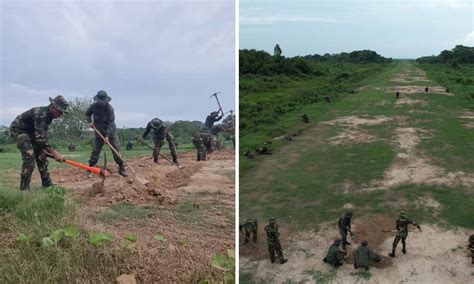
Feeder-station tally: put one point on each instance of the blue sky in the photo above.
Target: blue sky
(396, 28)
(155, 58)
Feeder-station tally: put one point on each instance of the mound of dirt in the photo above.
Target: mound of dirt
(154, 183)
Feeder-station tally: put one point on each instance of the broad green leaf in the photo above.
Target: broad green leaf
(131, 237)
(71, 231)
(159, 237)
(23, 238)
(46, 242)
(220, 261)
(57, 235)
(96, 238)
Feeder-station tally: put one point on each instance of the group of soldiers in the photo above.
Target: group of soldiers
(29, 131)
(337, 251)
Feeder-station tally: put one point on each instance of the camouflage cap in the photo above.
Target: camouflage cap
(402, 213)
(156, 123)
(271, 220)
(102, 96)
(60, 103)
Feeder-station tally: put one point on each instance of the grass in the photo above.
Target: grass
(37, 214)
(121, 211)
(321, 178)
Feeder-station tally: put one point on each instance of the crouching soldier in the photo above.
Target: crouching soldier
(160, 133)
(335, 255)
(250, 227)
(29, 131)
(364, 255)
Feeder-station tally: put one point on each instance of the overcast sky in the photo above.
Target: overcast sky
(155, 58)
(393, 28)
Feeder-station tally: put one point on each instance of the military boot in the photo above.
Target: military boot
(392, 254)
(404, 251)
(24, 183)
(175, 159)
(46, 181)
(122, 170)
(283, 260)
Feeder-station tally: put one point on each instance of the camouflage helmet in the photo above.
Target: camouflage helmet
(102, 96)
(272, 220)
(156, 123)
(60, 103)
(471, 238)
(402, 213)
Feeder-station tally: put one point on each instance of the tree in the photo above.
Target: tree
(72, 127)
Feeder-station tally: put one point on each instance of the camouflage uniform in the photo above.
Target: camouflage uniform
(274, 246)
(362, 256)
(344, 225)
(402, 232)
(335, 256)
(160, 133)
(210, 120)
(471, 247)
(249, 227)
(198, 142)
(29, 132)
(103, 116)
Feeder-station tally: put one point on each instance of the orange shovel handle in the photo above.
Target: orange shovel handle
(95, 170)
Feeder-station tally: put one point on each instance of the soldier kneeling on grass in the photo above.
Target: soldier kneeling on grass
(471, 247)
(335, 254)
(363, 255)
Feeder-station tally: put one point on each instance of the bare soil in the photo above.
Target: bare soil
(194, 212)
(413, 89)
(352, 131)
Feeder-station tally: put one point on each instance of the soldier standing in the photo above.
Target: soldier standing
(101, 115)
(250, 227)
(335, 255)
(363, 255)
(402, 232)
(29, 132)
(198, 142)
(274, 246)
(160, 133)
(344, 225)
(398, 94)
(471, 247)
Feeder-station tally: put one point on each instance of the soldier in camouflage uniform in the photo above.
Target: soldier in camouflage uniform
(344, 225)
(363, 255)
(402, 232)
(471, 247)
(29, 132)
(210, 120)
(160, 133)
(335, 255)
(250, 227)
(198, 142)
(101, 116)
(274, 245)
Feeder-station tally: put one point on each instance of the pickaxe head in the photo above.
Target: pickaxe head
(214, 95)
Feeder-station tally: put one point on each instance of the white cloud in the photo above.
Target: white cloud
(286, 18)
(469, 39)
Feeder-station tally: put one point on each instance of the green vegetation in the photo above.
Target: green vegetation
(458, 55)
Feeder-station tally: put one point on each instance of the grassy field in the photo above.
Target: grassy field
(321, 178)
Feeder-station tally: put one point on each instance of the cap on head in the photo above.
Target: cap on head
(60, 103)
(214, 113)
(102, 96)
(402, 213)
(156, 123)
(365, 243)
(272, 220)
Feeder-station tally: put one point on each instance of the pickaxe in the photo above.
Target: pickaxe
(164, 157)
(220, 107)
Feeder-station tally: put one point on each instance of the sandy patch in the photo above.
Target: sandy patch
(434, 255)
(417, 90)
(403, 100)
(352, 133)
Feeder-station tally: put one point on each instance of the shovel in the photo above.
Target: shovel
(138, 178)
